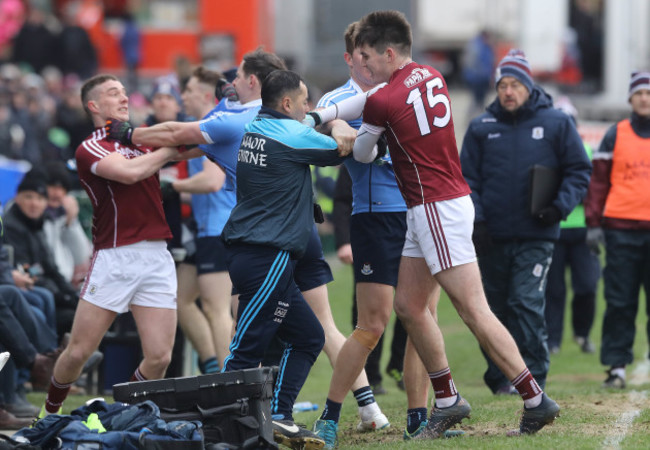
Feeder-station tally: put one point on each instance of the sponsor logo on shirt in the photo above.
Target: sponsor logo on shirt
(417, 75)
(128, 152)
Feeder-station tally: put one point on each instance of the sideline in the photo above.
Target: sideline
(640, 375)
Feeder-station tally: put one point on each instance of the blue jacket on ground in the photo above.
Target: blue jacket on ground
(499, 150)
(274, 189)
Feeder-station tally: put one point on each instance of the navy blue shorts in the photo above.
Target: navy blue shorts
(312, 271)
(210, 255)
(377, 240)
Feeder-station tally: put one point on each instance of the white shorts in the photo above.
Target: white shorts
(441, 233)
(137, 274)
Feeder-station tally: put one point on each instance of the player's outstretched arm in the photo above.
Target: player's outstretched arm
(348, 109)
(160, 135)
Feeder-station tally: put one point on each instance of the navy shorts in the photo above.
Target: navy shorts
(377, 241)
(210, 255)
(312, 271)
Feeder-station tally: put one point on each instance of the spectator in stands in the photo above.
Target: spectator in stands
(167, 105)
(23, 223)
(478, 66)
(70, 114)
(76, 52)
(35, 43)
(64, 235)
(23, 336)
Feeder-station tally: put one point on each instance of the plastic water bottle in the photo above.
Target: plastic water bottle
(304, 406)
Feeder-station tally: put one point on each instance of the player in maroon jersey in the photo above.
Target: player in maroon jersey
(413, 111)
(131, 268)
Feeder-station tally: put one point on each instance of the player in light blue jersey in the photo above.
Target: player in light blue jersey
(205, 274)
(377, 232)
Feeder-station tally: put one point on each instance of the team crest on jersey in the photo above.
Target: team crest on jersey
(417, 75)
(366, 269)
(538, 133)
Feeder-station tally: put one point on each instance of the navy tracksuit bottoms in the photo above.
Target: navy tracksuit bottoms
(271, 304)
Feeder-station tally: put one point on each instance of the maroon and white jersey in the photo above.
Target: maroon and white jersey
(415, 110)
(122, 214)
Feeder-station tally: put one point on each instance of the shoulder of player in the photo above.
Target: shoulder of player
(96, 144)
(337, 95)
(298, 136)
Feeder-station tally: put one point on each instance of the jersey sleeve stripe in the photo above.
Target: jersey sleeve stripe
(207, 137)
(95, 149)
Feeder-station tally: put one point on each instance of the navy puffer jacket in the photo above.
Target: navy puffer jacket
(499, 150)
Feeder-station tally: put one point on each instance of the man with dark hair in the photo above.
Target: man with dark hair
(205, 274)
(377, 228)
(270, 226)
(132, 268)
(414, 111)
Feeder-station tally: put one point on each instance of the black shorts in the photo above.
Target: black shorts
(312, 271)
(210, 255)
(377, 241)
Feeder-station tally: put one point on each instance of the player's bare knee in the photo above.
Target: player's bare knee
(366, 338)
(408, 311)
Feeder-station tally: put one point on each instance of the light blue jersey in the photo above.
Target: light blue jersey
(223, 128)
(374, 188)
(211, 211)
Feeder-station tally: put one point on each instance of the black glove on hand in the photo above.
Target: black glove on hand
(549, 216)
(382, 147)
(119, 131)
(481, 238)
(225, 90)
(595, 238)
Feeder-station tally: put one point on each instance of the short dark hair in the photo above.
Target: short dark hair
(382, 29)
(261, 63)
(91, 84)
(348, 36)
(207, 76)
(278, 84)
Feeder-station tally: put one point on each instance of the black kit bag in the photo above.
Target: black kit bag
(234, 407)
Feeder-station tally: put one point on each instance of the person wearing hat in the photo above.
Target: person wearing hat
(617, 211)
(23, 222)
(167, 105)
(514, 244)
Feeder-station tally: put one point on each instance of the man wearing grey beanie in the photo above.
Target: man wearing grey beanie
(513, 238)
